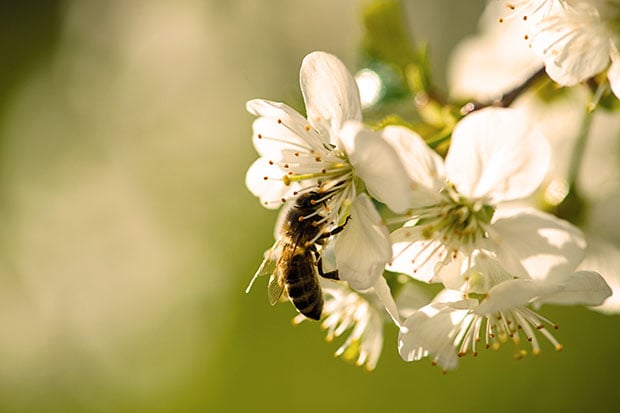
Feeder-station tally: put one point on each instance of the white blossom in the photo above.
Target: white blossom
(578, 41)
(331, 151)
(494, 310)
(495, 156)
(361, 314)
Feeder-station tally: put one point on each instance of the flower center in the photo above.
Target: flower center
(457, 221)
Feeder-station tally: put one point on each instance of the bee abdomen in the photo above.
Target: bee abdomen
(303, 288)
(307, 299)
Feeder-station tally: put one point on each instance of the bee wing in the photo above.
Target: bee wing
(269, 264)
(275, 288)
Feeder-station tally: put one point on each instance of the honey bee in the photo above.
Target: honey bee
(294, 262)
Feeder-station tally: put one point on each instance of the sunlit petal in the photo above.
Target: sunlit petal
(430, 332)
(534, 244)
(363, 248)
(377, 164)
(330, 92)
(497, 154)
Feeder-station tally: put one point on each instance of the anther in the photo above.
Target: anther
(259, 136)
(279, 121)
(307, 128)
(270, 162)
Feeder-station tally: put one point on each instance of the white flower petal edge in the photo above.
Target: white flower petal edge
(446, 329)
(497, 155)
(533, 244)
(574, 43)
(382, 290)
(329, 91)
(603, 256)
(363, 248)
(430, 332)
(260, 183)
(279, 128)
(613, 75)
(424, 166)
(583, 287)
(377, 163)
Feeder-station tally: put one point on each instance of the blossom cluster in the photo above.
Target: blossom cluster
(396, 212)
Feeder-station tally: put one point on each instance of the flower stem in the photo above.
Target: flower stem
(573, 207)
(577, 155)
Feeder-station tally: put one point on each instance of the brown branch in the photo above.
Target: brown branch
(507, 98)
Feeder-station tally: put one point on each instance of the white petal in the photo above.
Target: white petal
(330, 92)
(582, 287)
(272, 191)
(604, 257)
(363, 247)
(574, 44)
(414, 255)
(377, 164)
(424, 166)
(280, 127)
(384, 294)
(497, 154)
(430, 332)
(614, 71)
(515, 293)
(530, 243)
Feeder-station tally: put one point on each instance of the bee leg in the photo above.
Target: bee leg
(332, 275)
(340, 228)
(334, 231)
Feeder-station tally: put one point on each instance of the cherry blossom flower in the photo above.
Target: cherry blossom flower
(494, 310)
(330, 151)
(579, 41)
(361, 314)
(495, 157)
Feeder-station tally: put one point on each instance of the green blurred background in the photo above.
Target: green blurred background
(128, 236)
